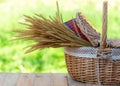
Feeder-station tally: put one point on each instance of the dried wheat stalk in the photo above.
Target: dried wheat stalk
(49, 33)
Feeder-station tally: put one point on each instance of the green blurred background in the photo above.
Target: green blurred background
(12, 56)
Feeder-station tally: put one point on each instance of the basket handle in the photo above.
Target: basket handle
(104, 28)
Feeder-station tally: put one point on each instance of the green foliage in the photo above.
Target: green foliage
(12, 57)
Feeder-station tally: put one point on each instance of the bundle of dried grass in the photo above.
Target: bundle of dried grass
(49, 33)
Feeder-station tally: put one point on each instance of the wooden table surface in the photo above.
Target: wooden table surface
(22, 79)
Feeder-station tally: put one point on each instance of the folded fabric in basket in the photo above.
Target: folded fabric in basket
(82, 28)
(73, 26)
(87, 29)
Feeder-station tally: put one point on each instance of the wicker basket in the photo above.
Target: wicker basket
(83, 65)
(95, 65)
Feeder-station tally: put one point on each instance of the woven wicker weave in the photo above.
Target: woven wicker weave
(85, 69)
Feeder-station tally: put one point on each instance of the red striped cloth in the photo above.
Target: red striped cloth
(71, 24)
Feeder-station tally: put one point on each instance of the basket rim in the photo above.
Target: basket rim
(91, 52)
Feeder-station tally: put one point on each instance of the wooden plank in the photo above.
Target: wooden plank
(7, 79)
(59, 79)
(10, 79)
(25, 80)
(43, 80)
(2, 78)
(50, 80)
